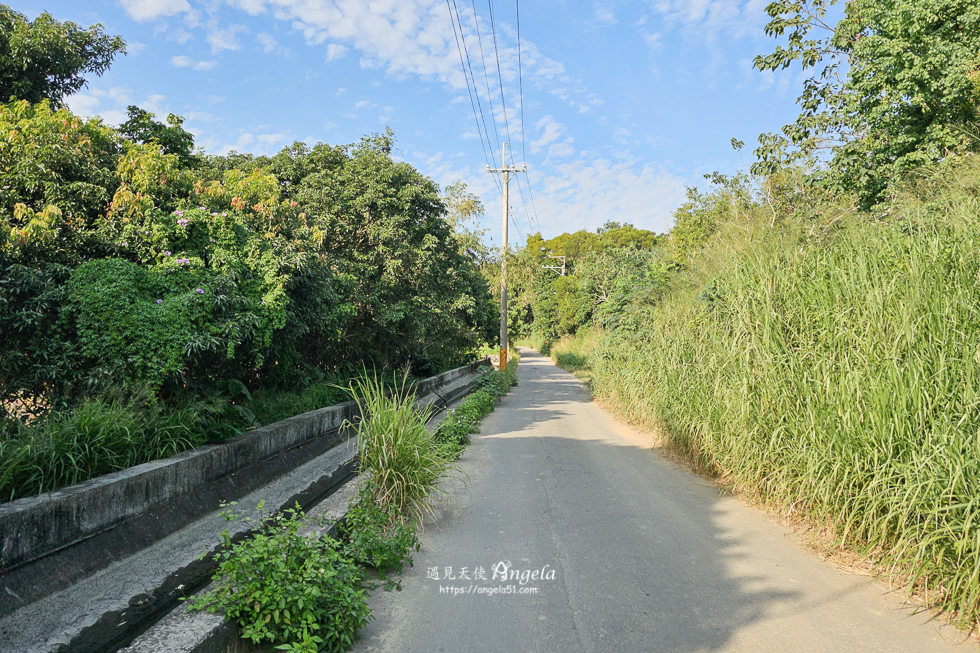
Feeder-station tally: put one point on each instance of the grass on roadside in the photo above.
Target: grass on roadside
(571, 353)
(401, 459)
(464, 420)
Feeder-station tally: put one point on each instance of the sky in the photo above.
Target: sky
(615, 107)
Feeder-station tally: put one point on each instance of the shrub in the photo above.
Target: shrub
(101, 436)
(285, 589)
(376, 537)
(464, 420)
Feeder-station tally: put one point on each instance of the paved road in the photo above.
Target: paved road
(637, 554)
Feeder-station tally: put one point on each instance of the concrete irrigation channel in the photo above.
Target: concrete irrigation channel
(102, 565)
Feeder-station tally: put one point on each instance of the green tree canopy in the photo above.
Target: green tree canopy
(47, 59)
(898, 87)
(172, 137)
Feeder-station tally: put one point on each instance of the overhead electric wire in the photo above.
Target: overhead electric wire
(520, 76)
(500, 76)
(486, 75)
(503, 105)
(520, 81)
(461, 49)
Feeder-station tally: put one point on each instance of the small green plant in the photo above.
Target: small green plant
(464, 420)
(298, 593)
(402, 460)
(377, 537)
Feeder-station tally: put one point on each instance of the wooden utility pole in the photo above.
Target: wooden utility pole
(507, 171)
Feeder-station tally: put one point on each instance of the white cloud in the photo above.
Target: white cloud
(561, 150)
(364, 104)
(120, 95)
(143, 10)
(180, 35)
(251, 7)
(114, 117)
(153, 103)
(84, 104)
(705, 20)
(226, 39)
(653, 41)
(215, 99)
(327, 126)
(244, 140)
(604, 16)
(335, 51)
(269, 43)
(550, 131)
(271, 139)
(585, 194)
(180, 61)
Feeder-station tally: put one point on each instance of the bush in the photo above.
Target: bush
(376, 537)
(837, 375)
(285, 589)
(464, 420)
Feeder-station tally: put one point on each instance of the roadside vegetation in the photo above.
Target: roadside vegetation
(807, 332)
(154, 298)
(296, 586)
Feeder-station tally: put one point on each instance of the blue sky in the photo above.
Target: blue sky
(624, 103)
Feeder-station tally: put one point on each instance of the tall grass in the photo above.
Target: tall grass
(841, 378)
(403, 461)
(571, 353)
(98, 437)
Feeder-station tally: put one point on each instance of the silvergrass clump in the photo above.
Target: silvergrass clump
(403, 461)
(839, 376)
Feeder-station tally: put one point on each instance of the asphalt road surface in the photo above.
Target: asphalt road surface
(607, 546)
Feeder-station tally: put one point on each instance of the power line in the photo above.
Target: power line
(500, 76)
(503, 104)
(520, 80)
(461, 49)
(486, 76)
(520, 77)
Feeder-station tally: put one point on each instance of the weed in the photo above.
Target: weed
(299, 593)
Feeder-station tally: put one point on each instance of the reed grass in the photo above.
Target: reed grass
(97, 437)
(840, 377)
(402, 459)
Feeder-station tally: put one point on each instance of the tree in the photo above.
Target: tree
(47, 59)
(172, 137)
(898, 87)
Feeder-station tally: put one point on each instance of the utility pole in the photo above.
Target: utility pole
(507, 171)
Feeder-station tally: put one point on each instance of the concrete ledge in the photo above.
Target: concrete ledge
(36, 526)
(119, 550)
(182, 631)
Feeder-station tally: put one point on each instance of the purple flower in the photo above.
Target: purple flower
(224, 215)
(200, 291)
(201, 208)
(167, 253)
(159, 301)
(182, 222)
(215, 213)
(124, 243)
(212, 240)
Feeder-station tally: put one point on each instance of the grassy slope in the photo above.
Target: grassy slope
(837, 376)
